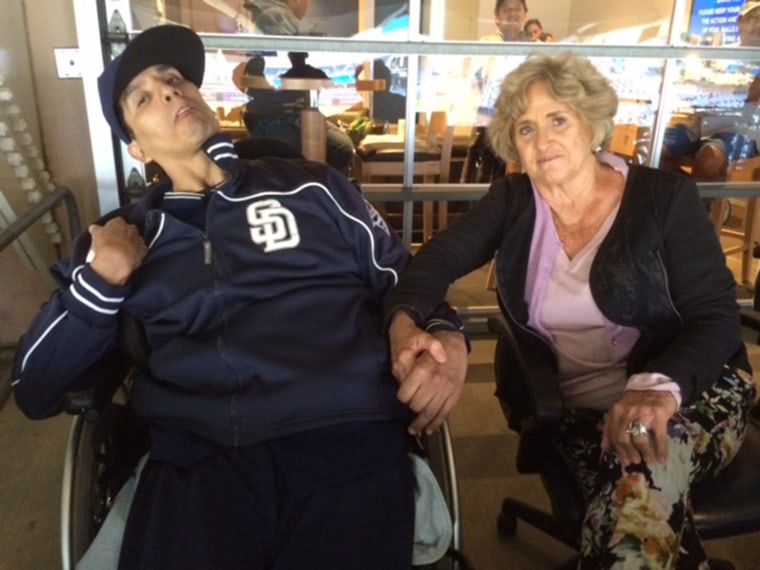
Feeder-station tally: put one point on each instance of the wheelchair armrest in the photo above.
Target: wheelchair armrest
(92, 402)
(96, 386)
(538, 373)
(81, 403)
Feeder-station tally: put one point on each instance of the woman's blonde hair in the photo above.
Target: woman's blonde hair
(570, 79)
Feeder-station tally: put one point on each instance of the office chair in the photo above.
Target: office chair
(251, 148)
(740, 228)
(750, 316)
(728, 505)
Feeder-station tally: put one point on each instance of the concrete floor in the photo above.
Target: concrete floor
(30, 480)
(32, 458)
(484, 450)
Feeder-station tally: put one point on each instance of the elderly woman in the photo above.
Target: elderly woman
(614, 273)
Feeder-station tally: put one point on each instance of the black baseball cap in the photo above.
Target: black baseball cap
(177, 46)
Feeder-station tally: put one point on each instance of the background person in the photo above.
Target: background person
(481, 164)
(614, 274)
(712, 140)
(533, 29)
(302, 70)
(386, 105)
(748, 22)
(509, 16)
(278, 435)
(250, 74)
(276, 113)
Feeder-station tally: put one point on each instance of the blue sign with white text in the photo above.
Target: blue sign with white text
(712, 17)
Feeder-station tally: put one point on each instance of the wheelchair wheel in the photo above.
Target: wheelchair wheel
(440, 455)
(101, 456)
(78, 512)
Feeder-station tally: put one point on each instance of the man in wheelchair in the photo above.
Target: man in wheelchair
(278, 435)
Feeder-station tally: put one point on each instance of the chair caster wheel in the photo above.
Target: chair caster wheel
(506, 523)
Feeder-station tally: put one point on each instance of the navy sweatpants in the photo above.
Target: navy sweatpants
(313, 501)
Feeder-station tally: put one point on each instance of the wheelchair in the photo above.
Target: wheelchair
(107, 439)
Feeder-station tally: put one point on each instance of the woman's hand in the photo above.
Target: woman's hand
(430, 368)
(116, 251)
(652, 409)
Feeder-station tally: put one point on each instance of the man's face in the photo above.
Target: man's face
(510, 18)
(166, 114)
(749, 28)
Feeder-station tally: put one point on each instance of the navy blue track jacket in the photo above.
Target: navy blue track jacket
(261, 303)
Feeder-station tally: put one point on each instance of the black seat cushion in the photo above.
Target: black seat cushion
(258, 147)
(729, 504)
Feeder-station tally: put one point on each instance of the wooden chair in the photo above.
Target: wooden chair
(432, 162)
(745, 170)
(623, 140)
(313, 135)
(439, 128)
(626, 142)
(313, 122)
(232, 123)
(235, 115)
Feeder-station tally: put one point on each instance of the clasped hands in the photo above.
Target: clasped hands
(430, 369)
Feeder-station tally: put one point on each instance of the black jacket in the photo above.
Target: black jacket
(659, 269)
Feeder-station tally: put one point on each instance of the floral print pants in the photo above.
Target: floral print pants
(640, 516)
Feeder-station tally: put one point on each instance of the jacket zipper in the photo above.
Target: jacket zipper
(206, 250)
(234, 419)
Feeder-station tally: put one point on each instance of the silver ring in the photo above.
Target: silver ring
(636, 428)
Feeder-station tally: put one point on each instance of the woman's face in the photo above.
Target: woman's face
(534, 32)
(552, 140)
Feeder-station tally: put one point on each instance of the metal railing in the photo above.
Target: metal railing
(475, 316)
(50, 201)
(18, 227)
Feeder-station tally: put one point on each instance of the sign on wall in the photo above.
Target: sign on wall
(713, 22)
